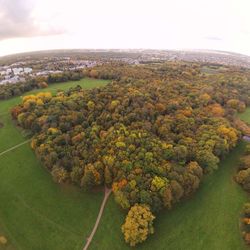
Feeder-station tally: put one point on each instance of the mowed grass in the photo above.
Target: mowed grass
(245, 116)
(36, 213)
(209, 220)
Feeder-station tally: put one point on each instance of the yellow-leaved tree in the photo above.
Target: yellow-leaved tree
(138, 224)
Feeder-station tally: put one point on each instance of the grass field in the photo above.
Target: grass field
(36, 213)
(246, 115)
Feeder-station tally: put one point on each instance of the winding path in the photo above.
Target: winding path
(106, 196)
(14, 147)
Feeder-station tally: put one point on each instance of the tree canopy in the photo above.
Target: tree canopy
(151, 134)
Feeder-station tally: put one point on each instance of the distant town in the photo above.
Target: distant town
(19, 71)
(17, 68)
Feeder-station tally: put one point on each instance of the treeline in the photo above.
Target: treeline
(243, 178)
(149, 135)
(65, 76)
(16, 89)
(245, 223)
(243, 175)
(10, 90)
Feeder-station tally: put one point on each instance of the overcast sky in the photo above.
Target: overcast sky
(28, 25)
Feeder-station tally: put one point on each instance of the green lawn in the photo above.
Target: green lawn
(246, 115)
(36, 213)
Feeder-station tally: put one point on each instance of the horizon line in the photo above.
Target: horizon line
(125, 49)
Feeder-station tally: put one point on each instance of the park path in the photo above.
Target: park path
(14, 147)
(106, 196)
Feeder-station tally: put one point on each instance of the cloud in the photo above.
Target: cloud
(17, 20)
(213, 38)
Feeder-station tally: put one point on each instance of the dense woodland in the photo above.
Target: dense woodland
(150, 135)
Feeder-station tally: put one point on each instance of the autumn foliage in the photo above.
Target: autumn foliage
(245, 222)
(138, 224)
(243, 175)
(150, 135)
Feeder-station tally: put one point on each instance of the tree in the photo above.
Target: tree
(88, 180)
(91, 105)
(167, 197)
(177, 190)
(216, 110)
(76, 174)
(207, 160)
(158, 183)
(243, 178)
(93, 73)
(180, 153)
(246, 209)
(236, 104)
(59, 174)
(43, 85)
(145, 197)
(138, 224)
(122, 199)
(194, 168)
(205, 98)
(107, 176)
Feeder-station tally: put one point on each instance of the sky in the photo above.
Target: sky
(30, 25)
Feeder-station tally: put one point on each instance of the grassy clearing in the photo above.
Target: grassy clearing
(245, 116)
(36, 213)
(39, 214)
(209, 220)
